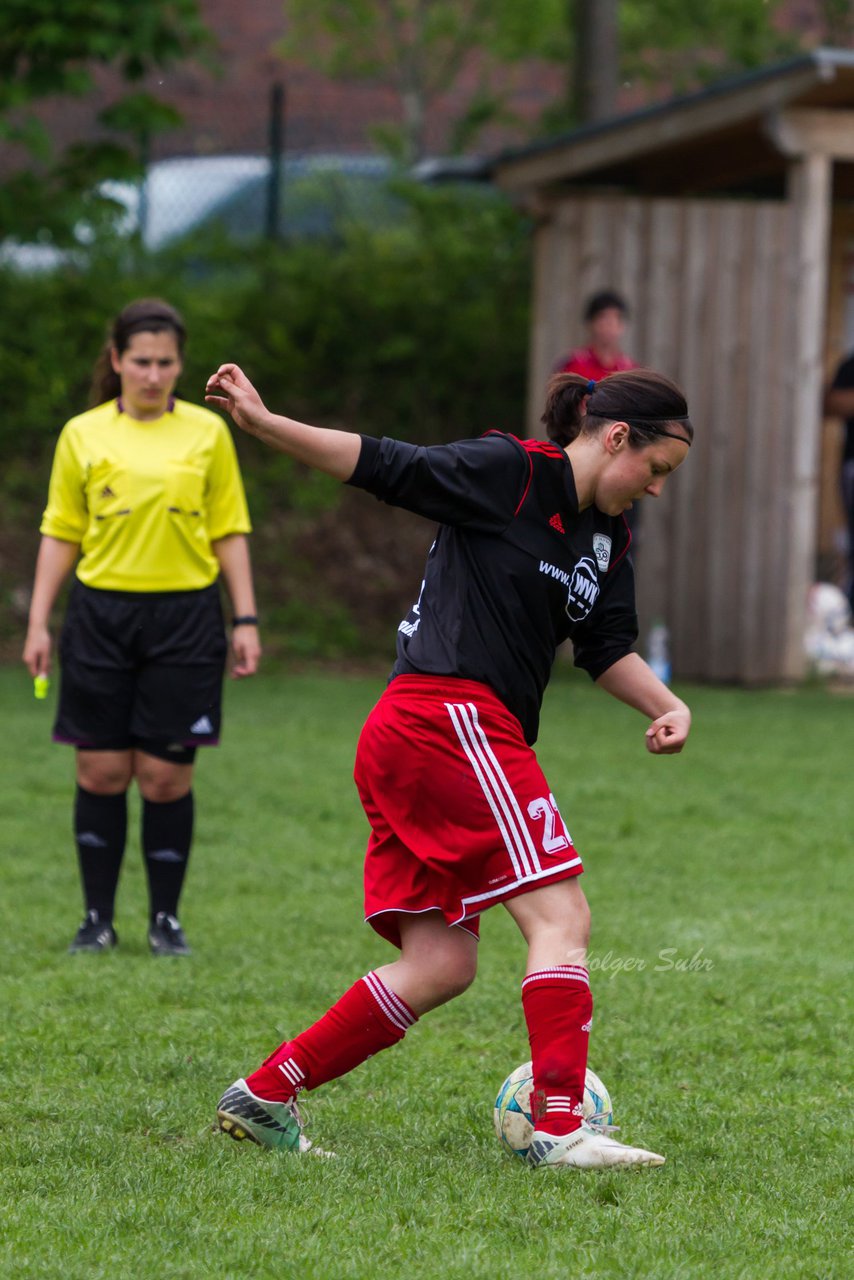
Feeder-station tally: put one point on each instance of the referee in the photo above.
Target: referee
(147, 501)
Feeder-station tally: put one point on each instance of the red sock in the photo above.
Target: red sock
(369, 1017)
(559, 1011)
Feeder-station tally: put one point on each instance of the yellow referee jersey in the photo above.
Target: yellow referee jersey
(144, 500)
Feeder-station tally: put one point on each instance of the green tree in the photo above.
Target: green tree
(51, 47)
(837, 22)
(420, 48)
(665, 42)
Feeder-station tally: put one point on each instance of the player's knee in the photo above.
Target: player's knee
(570, 927)
(579, 921)
(159, 781)
(103, 779)
(161, 790)
(453, 975)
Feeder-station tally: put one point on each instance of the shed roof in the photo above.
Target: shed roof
(723, 140)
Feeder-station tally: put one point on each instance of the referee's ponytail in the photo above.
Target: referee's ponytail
(646, 400)
(145, 315)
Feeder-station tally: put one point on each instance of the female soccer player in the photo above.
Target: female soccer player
(146, 491)
(531, 551)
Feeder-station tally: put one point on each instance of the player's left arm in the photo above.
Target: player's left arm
(633, 682)
(232, 552)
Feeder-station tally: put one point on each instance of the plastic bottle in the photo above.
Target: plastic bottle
(658, 650)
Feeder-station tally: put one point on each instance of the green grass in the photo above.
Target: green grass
(718, 886)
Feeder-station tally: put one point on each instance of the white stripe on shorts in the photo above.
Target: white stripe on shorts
(496, 788)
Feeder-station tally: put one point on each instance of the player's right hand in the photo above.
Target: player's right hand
(229, 389)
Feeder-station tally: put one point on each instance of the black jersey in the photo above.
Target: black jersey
(515, 569)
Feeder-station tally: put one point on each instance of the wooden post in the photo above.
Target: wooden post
(810, 178)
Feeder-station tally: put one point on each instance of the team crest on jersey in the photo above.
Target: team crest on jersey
(582, 590)
(602, 550)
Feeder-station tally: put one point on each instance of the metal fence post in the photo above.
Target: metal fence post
(277, 142)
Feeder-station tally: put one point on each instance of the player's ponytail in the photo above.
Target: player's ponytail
(145, 315)
(564, 407)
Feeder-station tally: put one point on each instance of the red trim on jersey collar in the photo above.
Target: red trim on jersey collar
(625, 549)
(546, 447)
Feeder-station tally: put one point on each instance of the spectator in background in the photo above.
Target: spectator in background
(839, 402)
(605, 315)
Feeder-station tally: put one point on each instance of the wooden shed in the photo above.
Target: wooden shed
(727, 220)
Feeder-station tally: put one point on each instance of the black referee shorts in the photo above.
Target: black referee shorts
(142, 669)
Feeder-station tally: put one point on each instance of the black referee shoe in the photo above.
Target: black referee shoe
(94, 934)
(166, 937)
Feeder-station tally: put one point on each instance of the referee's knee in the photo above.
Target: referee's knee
(161, 782)
(103, 777)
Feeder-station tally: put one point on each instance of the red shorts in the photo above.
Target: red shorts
(461, 814)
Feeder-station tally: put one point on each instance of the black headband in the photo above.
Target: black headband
(671, 435)
(632, 418)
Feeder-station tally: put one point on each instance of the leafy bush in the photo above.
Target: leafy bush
(419, 329)
(416, 329)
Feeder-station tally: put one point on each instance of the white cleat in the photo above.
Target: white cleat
(586, 1149)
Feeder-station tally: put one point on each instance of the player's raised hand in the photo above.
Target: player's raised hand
(229, 389)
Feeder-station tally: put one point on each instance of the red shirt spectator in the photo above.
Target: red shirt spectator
(589, 363)
(605, 316)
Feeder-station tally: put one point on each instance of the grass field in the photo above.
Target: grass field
(719, 961)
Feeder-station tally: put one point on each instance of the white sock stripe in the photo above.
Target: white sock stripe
(565, 973)
(392, 996)
(561, 968)
(291, 1071)
(390, 1003)
(511, 825)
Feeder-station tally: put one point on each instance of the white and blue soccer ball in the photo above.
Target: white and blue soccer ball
(514, 1125)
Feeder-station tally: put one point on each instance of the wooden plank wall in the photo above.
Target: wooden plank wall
(712, 288)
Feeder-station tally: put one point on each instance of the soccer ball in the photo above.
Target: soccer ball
(512, 1115)
(827, 608)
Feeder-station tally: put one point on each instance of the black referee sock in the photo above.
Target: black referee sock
(100, 829)
(167, 833)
